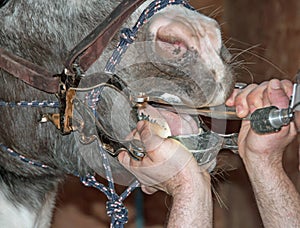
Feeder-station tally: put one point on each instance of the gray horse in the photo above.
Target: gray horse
(178, 54)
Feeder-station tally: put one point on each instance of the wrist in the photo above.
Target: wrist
(263, 159)
(189, 183)
(263, 166)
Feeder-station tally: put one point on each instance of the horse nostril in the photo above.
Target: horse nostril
(169, 45)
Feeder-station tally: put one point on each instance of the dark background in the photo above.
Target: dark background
(264, 35)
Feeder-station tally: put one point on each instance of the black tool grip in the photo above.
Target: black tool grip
(260, 120)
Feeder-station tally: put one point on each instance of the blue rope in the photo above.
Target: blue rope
(40, 104)
(127, 35)
(114, 206)
(92, 98)
(23, 158)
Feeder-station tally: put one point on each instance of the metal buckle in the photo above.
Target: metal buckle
(66, 96)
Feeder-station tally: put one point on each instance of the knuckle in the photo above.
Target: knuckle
(254, 99)
(240, 99)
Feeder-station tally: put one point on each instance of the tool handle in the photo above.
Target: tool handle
(270, 119)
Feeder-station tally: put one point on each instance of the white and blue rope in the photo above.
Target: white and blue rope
(114, 206)
(22, 158)
(128, 35)
(38, 104)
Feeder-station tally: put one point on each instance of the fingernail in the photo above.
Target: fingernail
(275, 84)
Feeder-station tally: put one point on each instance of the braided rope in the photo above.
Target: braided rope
(23, 158)
(93, 97)
(127, 35)
(114, 206)
(40, 104)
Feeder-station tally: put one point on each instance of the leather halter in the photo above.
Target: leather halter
(81, 57)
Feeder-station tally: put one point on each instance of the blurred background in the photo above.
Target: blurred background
(264, 38)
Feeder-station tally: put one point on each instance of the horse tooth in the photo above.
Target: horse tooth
(142, 116)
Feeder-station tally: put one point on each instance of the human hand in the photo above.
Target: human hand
(268, 147)
(168, 165)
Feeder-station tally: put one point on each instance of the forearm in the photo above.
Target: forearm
(277, 198)
(192, 204)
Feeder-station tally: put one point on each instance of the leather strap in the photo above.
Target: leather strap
(30, 73)
(92, 46)
(84, 54)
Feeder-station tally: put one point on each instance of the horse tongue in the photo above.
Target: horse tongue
(180, 124)
(170, 122)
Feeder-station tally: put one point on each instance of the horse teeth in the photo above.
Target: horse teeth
(142, 116)
(153, 121)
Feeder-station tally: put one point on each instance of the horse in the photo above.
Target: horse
(177, 56)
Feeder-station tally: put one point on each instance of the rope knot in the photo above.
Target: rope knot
(127, 35)
(117, 211)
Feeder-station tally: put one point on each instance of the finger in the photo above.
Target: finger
(266, 101)
(277, 94)
(255, 98)
(124, 159)
(231, 100)
(241, 104)
(130, 163)
(149, 136)
(288, 87)
(293, 129)
(132, 135)
(161, 149)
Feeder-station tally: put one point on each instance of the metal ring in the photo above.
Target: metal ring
(240, 85)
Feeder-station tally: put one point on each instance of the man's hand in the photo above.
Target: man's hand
(170, 167)
(277, 198)
(270, 146)
(167, 166)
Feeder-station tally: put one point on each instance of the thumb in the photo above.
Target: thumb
(277, 95)
(124, 159)
(149, 134)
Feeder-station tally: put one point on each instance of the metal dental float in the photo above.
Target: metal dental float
(206, 145)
